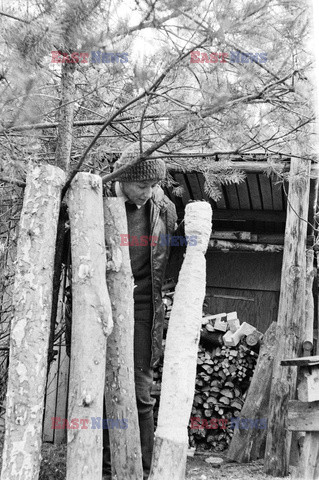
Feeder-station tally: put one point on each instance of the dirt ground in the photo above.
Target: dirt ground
(54, 458)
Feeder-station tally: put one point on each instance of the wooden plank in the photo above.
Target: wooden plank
(50, 402)
(248, 445)
(255, 307)
(303, 416)
(228, 235)
(308, 384)
(250, 247)
(300, 362)
(265, 188)
(221, 203)
(243, 195)
(195, 186)
(244, 270)
(231, 197)
(313, 199)
(308, 465)
(277, 196)
(201, 182)
(248, 215)
(62, 393)
(254, 191)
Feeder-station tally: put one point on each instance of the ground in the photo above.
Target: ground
(53, 467)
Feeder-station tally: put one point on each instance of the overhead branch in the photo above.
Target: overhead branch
(14, 17)
(152, 88)
(79, 123)
(14, 181)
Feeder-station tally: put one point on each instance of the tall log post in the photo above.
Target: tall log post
(291, 318)
(248, 445)
(180, 359)
(30, 323)
(307, 343)
(91, 324)
(120, 396)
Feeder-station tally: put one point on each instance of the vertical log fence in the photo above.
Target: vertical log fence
(91, 325)
(32, 299)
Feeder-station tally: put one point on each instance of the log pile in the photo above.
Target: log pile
(223, 377)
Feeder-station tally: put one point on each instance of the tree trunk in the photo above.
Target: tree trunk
(66, 117)
(119, 381)
(248, 445)
(180, 360)
(30, 323)
(291, 318)
(91, 324)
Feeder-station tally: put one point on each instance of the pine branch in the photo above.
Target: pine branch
(79, 123)
(14, 17)
(153, 87)
(14, 181)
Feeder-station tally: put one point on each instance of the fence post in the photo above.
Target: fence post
(91, 324)
(32, 302)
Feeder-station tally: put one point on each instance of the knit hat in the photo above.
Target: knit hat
(150, 169)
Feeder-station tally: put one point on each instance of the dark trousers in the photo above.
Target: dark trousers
(143, 374)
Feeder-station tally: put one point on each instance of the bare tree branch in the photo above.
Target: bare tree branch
(14, 17)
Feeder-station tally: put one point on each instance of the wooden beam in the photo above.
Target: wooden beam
(247, 167)
(301, 362)
(248, 445)
(308, 465)
(243, 236)
(249, 215)
(291, 318)
(248, 247)
(303, 416)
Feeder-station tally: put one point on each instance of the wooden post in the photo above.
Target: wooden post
(248, 445)
(120, 396)
(291, 318)
(30, 323)
(307, 344)
(91, 324)
(180, 359)
(303, 415)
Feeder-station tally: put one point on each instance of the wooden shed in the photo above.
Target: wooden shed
(244, 258)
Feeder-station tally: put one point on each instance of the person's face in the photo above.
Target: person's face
(138, 192)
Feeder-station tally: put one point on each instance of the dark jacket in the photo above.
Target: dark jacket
(162, 222)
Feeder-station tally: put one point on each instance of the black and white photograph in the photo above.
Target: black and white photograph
(159, 230)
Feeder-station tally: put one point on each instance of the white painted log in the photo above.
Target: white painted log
(180, 360)
(119, 379)
(30, 323)
(91, 324)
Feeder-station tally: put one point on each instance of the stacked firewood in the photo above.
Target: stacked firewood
(223, 376)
